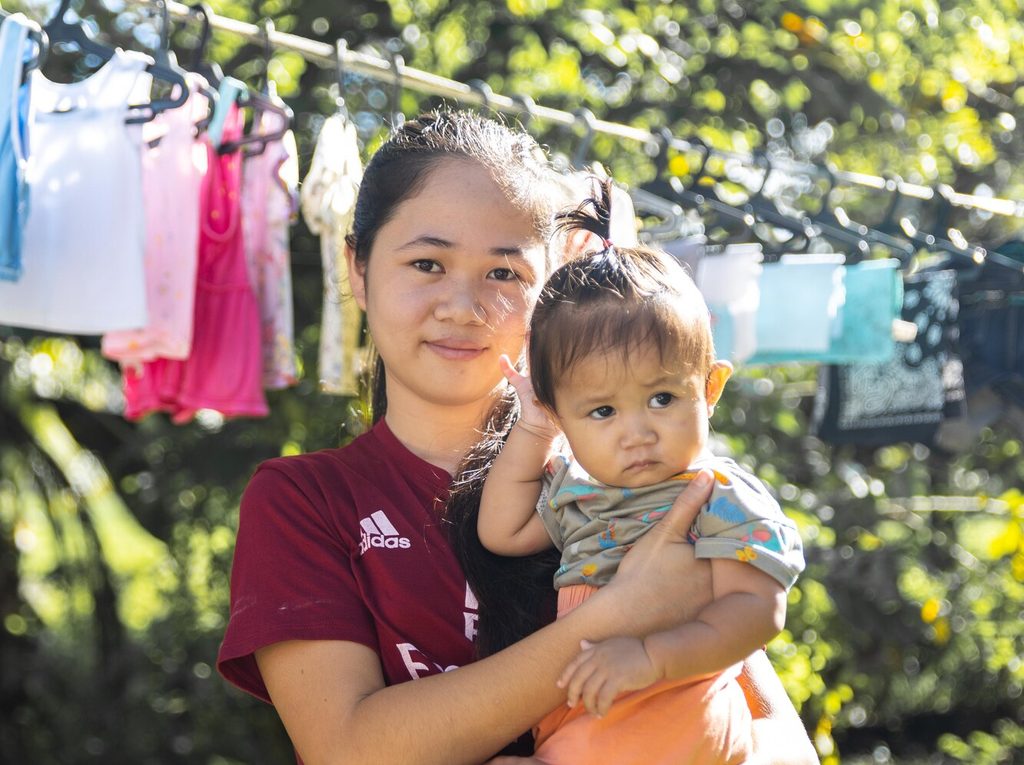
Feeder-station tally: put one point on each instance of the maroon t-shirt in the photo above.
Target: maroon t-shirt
(346, 544)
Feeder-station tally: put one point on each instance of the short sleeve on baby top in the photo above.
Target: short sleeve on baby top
(742, 521)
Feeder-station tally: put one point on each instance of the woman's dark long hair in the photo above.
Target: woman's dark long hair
(515, 595)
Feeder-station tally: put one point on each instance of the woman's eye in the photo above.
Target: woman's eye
(504, 275)
(661, 400)
(427, 266)
(602, 413)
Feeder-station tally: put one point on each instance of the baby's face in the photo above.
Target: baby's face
(631, 421)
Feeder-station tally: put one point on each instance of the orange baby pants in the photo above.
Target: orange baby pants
(706, 722)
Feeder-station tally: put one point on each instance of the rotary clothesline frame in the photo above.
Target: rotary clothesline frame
(397, 73)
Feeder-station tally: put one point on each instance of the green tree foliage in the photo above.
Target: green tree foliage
(904, 636)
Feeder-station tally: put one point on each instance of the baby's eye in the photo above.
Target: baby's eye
(661, 400)
(504, 275)
(602, 413)
(427, 266)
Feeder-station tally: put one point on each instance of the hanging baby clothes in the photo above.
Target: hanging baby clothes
(270, 181)
(801, 296)
(729, 283)
(328, 196)
(173, 166)
(15, 46)
(84, 237)
(861, 329)
(224, 370)
(906, 398)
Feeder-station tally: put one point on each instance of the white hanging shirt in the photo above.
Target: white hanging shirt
(84, 238)
(328, 197)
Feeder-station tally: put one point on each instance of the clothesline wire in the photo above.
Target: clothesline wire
(396, 72)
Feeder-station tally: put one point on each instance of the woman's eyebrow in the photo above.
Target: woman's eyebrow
(508, 252)
(427, 241)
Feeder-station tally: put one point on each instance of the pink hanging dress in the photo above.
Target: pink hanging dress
(173, 165)
(224, 370)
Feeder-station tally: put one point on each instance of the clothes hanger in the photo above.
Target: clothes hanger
(60, 31)
(766, 210)
(966, 257)
(528, 109)
(340, 48)
(827, 217)
(698, 195)
(396, 63)
(210, 70)
(261, 101)
(586, 118)
(165, 56)
(673, 222)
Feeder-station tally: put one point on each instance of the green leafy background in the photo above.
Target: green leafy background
(904, 637)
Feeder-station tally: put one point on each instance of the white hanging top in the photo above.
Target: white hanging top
(84, 238)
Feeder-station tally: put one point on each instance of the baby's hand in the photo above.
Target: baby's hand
(604, 670)
(531, 413)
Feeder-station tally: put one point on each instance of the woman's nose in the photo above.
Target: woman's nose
(460, 303)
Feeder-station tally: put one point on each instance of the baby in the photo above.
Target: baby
(614, 421)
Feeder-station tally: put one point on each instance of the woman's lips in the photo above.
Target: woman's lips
(455, 350)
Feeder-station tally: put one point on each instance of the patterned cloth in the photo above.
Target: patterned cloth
(594, 524)
(328, 199)
(269, 203)
(906, 398)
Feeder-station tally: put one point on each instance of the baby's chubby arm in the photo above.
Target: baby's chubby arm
(748, 610)
(508, 523)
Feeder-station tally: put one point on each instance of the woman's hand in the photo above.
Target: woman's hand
(660, 583)
(531, 413)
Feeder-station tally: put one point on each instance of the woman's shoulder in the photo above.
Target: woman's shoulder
(333, 462)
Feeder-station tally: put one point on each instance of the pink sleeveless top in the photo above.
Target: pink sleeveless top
(224, 370)
(173, 165)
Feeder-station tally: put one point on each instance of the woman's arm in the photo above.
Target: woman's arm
(333, 702)
(779, 734)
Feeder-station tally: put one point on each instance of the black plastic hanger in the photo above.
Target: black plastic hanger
(694, 196)
(766, 210)
(968, 257)
(210, 70)
(60, 31)
(261, 101)
(827, 218)
(164, 56)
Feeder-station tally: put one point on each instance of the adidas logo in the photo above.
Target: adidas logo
(377, 531)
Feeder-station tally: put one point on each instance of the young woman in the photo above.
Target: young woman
(344, 584)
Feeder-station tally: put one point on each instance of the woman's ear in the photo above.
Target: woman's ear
(356, 276)
(717, 377)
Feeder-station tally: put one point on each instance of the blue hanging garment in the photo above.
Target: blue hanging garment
(800, 300)
(860, 329)
(15, 48)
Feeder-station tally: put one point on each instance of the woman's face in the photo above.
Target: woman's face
(448, 286)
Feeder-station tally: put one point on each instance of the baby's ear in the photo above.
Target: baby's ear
(717, 378)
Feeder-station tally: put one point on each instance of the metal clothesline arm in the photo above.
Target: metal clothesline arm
(323, 54)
